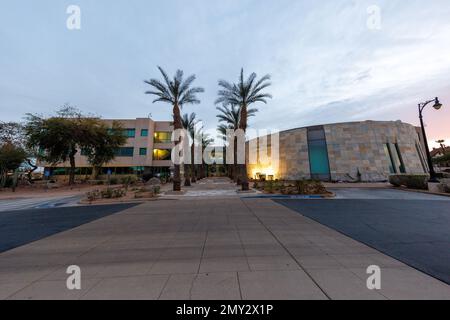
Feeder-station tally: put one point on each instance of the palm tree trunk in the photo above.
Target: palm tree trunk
(187, 178)
(236, 171)
(193, 179)
(243, 167)
(177, 125)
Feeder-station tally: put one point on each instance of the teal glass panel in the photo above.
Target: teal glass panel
(397, 158)
(318, 154)
(124, 152)
(143, 151)
(387, 150)
(400, 159)
(144, 133)
(130, 133)
(318, 158)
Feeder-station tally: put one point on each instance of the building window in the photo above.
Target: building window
(395, 157)
(143, 151)
(144, 132)
(162, 154)
(399, 159)
(130, 133)
(124, 152)
(163, 137)
(387, 150)
(318, 154)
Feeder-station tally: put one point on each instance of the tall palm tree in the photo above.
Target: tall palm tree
(177, 92)
(198, 138)
(243, 94)
(189, 121)
(206, 142)
(229, 118)
(441, 143)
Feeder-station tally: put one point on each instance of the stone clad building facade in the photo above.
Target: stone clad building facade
(354, 151)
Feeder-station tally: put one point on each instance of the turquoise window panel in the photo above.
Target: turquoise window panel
(130, 133)
(124, 152)
(318, 154)
(388, 152)
(318, 157)
(143, 151)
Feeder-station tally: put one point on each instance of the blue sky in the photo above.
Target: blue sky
(326, 64)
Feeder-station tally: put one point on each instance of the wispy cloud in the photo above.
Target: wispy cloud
(326, 64)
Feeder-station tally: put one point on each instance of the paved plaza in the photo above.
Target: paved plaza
(219, 246)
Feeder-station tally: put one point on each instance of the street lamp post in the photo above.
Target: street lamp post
(437, 105)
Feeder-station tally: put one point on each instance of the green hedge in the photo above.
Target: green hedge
(411, 181)
(445, 184)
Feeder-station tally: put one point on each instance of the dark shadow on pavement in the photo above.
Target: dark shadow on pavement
(416, 232)
(18, 228)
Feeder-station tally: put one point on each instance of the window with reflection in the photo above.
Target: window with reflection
(162, 154)
(163, 137)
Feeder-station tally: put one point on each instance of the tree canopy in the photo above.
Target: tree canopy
(59, 138)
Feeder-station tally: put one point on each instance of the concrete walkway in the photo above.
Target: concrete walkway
(230, 248)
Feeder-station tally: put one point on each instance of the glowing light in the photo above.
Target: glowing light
(268, 172)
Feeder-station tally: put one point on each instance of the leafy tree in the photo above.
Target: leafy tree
(243, 94)
(189, 121)
(13, 133)
(11, 157)
(59, 138)
(100, 148)
(177, 92)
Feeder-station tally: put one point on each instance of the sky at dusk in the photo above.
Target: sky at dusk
(330, 60)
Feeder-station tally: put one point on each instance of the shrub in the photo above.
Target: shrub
(107, 193)
(93, 195)
(395, 180)
(113, 181)
(445, 185)
(309, 187)
(146, 177)
(316, 187)
(128, 180)
(118, 193)
(301, 185)
(111, 193)
(156, 189)
(269, 187)
(411, 181)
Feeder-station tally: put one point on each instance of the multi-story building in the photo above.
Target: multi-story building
(353, 151)
(147, 150)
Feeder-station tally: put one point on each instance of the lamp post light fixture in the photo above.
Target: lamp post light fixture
(437, 105)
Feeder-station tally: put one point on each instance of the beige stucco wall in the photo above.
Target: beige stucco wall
(137, 142)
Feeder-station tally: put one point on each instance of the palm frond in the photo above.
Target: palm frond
(174, 90)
